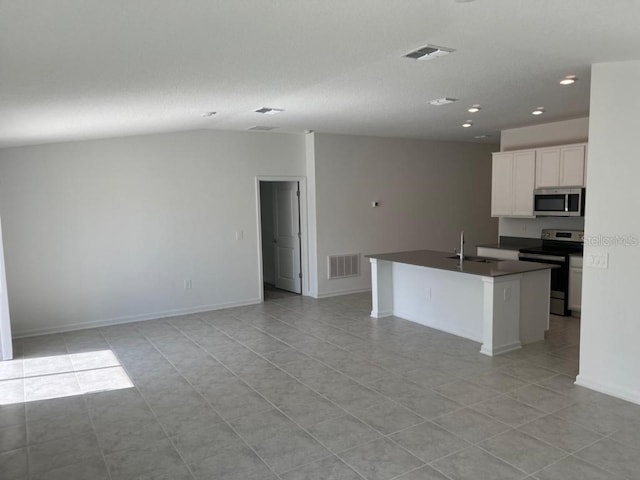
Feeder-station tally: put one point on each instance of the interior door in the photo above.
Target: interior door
(286, 201)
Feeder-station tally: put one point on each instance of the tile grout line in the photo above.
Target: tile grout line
(394, 400)
(228, 422)
(167, 436)
(387, 436)
(393, 372)
(316, 392)
(93, 426)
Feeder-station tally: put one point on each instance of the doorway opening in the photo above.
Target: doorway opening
(281, 234)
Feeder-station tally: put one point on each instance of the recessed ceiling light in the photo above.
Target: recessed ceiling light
(438, 102)
(429, 52)
(208, 114)
(269, 110)
(474, 109)
(467, 124)
(569, 80)
(538, 111)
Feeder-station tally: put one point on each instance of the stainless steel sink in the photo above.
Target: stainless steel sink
(469, 258)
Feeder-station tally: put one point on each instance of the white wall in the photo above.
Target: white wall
(428, 192)
(312, 207)
(267, 218)
(546, 134)
(108, 230)
(609, 355)
(555, 133)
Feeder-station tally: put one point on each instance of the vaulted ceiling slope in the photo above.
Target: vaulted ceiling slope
(80, 69)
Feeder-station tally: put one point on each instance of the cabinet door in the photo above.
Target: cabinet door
(548, 167)
(575, 289)
(572, 166)
(502, 185)
(524, 174)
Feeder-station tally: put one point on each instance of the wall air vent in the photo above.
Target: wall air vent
(429, 52)
(261, 128)
(342, 266)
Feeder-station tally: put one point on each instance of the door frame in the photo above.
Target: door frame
(6, 348)
(304, 241)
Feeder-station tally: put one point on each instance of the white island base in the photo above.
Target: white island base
(501, 312)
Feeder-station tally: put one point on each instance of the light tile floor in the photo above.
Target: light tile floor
(304, 389)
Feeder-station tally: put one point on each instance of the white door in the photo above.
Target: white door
(6, 349)
(287, 236)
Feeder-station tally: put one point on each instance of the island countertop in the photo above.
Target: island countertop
(441, 261)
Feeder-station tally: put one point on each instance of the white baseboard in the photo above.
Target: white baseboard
(500, 350)
(69, 327)
(381, 313)
(609, 389)
(342, 292)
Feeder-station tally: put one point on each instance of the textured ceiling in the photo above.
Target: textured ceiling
(79, 69)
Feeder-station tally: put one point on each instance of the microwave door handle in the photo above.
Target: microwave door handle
(566, 202)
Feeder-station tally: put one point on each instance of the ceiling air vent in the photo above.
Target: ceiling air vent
(429, 52)
(341, 266)
(269, 110)
(261, 128)
(438, 102)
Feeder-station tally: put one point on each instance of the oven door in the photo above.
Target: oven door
(559, 279)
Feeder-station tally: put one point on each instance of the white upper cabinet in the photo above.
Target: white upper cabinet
(524, 168)
(502, 185)
(560, 166)
(572, 164)
(513, 179)
(518, 173)
(547, 167)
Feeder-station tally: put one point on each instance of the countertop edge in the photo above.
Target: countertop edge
(439, 261)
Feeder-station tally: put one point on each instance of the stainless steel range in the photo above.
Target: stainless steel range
(557, 246)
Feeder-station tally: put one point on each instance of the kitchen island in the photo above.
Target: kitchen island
(502, 304)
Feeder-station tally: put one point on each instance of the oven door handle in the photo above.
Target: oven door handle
(534, 256)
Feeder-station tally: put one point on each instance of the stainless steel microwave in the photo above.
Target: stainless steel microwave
(559, 202)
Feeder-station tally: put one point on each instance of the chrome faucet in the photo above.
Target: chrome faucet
(460, 253)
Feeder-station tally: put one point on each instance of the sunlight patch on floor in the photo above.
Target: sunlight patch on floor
(57, 376)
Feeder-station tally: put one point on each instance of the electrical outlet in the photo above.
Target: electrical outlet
(239, 235)
(188, 285)
(507, 294)
(427, 293)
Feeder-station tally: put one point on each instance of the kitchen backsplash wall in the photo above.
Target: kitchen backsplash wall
(532, 227)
